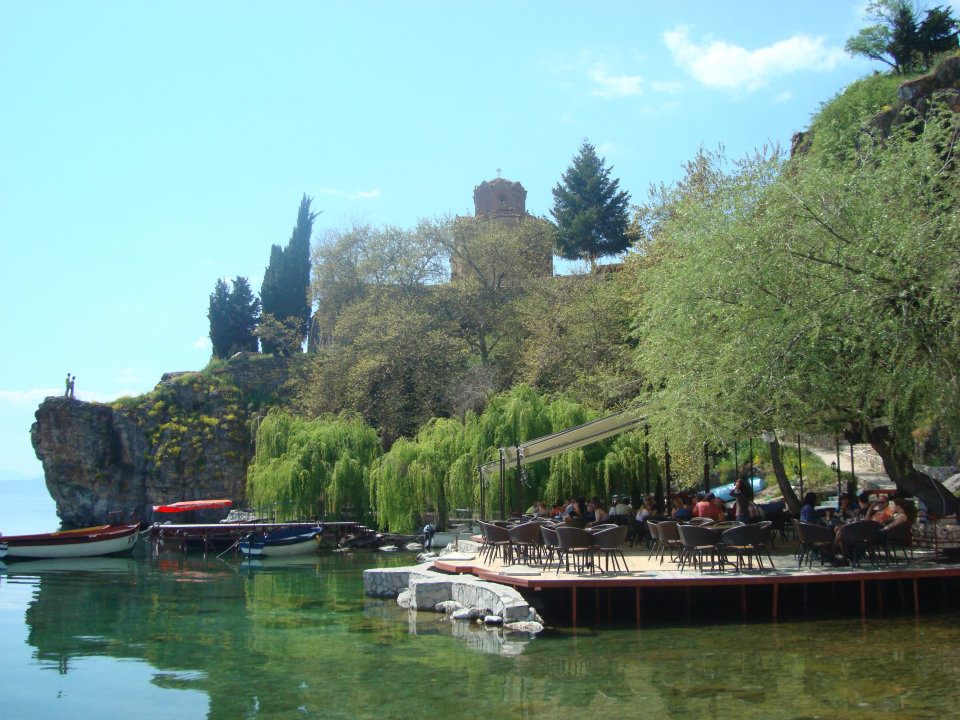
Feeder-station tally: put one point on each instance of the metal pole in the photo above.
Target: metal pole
(838, 471)
(480, 473)
(646, 461)
(852, 485)
(800, 465)
(706, 467)
(736, 461)
(519, 485)
(750, 479)
(666, 462)
(503, 471)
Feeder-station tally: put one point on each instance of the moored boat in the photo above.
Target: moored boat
(281, 543)
(85, 542)
(3, 550)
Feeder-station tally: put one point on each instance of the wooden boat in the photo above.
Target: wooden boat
(281, 543)
(85, 542)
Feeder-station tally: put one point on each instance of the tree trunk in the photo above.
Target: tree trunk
(899, 466)
(783, 482)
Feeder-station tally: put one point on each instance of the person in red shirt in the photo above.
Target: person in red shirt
(708, 508)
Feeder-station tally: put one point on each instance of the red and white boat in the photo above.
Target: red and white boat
(85, 542)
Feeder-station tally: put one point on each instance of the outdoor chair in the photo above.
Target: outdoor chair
(860, 539)
(669, 536)
(814, 540)
(701, 521)
(600, 528)
(496, 541)
(525, 541)
(746, 543)
(654, 538)
(551, 546)
(696, 543)
(577, 543)
(896, 538)
(726, 525)
(610, 542)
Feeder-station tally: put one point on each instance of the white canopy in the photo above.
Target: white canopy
(569, 439)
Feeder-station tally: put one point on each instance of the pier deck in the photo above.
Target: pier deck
(753, 593)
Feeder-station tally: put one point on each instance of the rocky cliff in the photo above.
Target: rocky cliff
(190, 438)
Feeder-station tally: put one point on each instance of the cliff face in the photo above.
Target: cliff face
(190, 438)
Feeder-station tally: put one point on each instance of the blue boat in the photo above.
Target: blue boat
(725, 492)
(283, 542)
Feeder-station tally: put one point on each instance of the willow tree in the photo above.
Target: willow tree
(308, 468)
(823, 297)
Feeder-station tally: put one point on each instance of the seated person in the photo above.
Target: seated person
(863, 506)
(808, 513)
(623, 507)
(708, 508)
(904, 513)
(880, 511)
(600, 515)
(681, 511)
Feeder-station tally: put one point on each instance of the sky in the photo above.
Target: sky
(148, 149)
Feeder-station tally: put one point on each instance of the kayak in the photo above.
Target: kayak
(188, 505)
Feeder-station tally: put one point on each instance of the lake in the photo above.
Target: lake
(204, 638)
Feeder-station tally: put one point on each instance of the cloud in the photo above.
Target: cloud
(372, 194)
(615, 86)
(27, 397)
(723, 65)
(783, 97)
(202, 343)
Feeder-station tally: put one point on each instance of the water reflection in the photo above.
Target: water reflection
(301, 640)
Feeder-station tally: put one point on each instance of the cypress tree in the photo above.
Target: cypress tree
(219, 316)
(287, 278)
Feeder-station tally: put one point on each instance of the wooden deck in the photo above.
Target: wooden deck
(761, 593)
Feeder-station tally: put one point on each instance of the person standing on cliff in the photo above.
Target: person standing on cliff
(66, 392)
(72, 381)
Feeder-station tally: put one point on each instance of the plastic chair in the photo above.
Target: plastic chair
(860, 539)
(551, 545)
(899, 537)
(578, 544)
(610, 542)
(696, 543)
(747, 542)
(669, 538)
(525, 541)
(497, 541)
(814, 540)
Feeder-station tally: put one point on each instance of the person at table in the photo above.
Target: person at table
(573, 511)
(681, 511)
(808, 513)
(863, 506)
(844, 513)
(600, 514)
(556, 512)
(647, 510)
(904, 513)
(708, 508)
(623, 507)
(880, 511)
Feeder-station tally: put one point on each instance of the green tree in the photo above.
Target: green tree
(309, 468)
(590, 209)
(233, 314)
(815, 298)
(286, 279)
(898, 37)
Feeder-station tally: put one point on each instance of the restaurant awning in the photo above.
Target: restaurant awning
(569, 439)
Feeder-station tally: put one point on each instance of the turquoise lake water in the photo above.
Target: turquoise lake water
(203, 638)
(176, 638)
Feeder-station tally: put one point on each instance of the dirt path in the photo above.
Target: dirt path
(865, 476)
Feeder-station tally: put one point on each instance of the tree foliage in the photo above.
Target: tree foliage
(233, 314)
(287, 277)
(312, 468)
(590, 209)
(900, 39)
(821, 296)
